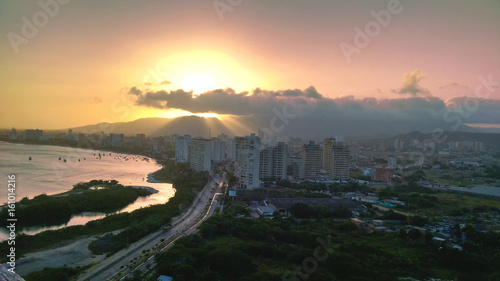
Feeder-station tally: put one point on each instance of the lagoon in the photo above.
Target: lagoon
(45, 173)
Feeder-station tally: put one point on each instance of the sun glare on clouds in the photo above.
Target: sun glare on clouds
(198, 83)
(199, 71)
(174, 113)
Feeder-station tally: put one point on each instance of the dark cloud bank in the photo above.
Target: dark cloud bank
(317, 116)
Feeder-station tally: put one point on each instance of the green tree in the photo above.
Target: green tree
(302, 211)
(414, 234)
(417, 220)
(342, 212)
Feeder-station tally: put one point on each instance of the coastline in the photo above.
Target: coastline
(152, 190)
(72, 152)
(45, 248)
(67, 145)
(165, 189)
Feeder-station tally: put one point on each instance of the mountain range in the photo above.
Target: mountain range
(234, 126)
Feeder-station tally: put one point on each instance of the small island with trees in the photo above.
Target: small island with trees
(104, 196)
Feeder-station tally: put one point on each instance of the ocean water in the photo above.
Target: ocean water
(45, 173)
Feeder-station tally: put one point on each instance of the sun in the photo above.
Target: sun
(208, 115)
(198, 83)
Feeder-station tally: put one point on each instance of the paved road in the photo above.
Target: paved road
(150, 262)
(110, 267)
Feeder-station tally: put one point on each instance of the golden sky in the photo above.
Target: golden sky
(82, 57)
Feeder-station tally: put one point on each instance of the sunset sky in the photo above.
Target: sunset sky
(84, 60)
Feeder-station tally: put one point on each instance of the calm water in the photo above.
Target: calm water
(45, 173)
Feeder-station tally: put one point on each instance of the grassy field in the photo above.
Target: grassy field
(455, 204)
(465, 201)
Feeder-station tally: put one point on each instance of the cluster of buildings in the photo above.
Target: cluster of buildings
(390, 161)
(426, 146)
(27, 135)
(95, 140)
(259, 163)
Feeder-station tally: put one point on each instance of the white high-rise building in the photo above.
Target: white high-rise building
(297, 168)
(231, 149)
(279, 158)
(273, 162)
(327, 151)
(200, 155)
(13, 134)
(311, 154)
(248, 161)
(340, 162)
(218, 150)
(182, 144)
(265, 164)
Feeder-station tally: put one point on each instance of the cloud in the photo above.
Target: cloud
(162, 83)
(225, 101)
(135, 91)
(94, 99)
(454, 86)
(317, 115)
(311, 92)
(478, 110)
(411, 85)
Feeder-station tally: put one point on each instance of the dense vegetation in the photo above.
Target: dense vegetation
(431, 202)
(228, 248)
(305, 211)
(333, 188)
(493, 172)
(136, 224)
(49, 210)
(147, 220)
(53, 274)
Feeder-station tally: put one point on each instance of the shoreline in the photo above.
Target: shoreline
(152, 190)
(68, 188)
(149, 176)
(47, 252)
(106, 149)
(85, 214)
